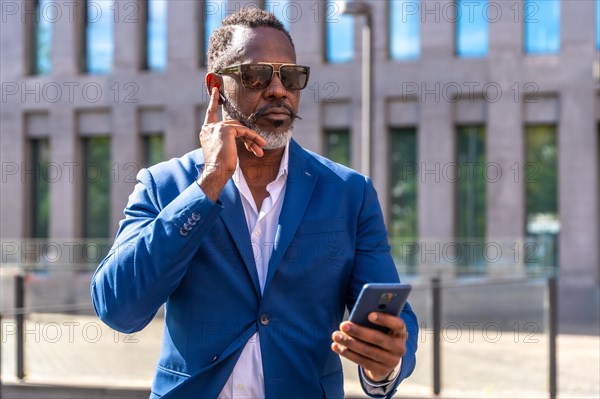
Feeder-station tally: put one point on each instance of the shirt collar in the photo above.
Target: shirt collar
(283, 166)
(238, 176)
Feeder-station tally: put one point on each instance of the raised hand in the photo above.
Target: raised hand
(218, 140)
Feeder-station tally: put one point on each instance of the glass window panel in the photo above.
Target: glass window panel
(541, 190)
(339, 33)
(405, 25)
(281, 9)
(40, 189)
(598, 24)
(45, 15)
(153, 149)
(542, 26)
(214, 13)
(99, 43)
(470, 197)
(337, 145)
(471, 28)
(96, 187)
(403, 198)
(156, 51)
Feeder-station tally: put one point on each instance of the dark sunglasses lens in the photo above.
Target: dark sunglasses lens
(293, 77)
(256, 76)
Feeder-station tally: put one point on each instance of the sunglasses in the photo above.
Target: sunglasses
(259, 76)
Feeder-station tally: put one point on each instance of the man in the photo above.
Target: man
(255, 244)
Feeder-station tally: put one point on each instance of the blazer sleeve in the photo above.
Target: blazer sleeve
(373, 263)
(150, 254)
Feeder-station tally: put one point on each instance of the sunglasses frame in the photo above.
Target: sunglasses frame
(238, 69)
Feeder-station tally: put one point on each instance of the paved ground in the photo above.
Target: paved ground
(81, 351)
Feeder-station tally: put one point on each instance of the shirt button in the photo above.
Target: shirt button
(258, 232)
(264, 319)
(240, 386)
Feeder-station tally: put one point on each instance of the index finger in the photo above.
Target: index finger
(212, 115)
(394, 323)
(368, 335)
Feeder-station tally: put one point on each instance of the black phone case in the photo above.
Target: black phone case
(369, 301)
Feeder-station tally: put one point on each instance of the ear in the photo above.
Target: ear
(211, 80)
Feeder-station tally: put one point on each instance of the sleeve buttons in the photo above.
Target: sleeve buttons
(189, 225)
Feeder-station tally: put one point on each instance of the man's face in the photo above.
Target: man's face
(272, 109)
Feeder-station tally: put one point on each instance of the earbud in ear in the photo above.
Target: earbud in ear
(222, 98)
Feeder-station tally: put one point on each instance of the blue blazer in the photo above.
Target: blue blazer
(178, 247)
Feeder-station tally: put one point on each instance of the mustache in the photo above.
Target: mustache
(263, 110)
(250, 120)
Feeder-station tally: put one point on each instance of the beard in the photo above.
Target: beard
(275, 139)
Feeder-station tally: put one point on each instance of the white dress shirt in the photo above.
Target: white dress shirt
(247, 379)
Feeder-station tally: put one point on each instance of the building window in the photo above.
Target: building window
(40, 188)
(542, 26)
(403, 198)
(153, 149)
(541, 189)
(214, 12)
(471, 28)
(404, 29)
(337, 145)
(41, 37)
(598, 24)
(470, 192)
(96, 187)
(281, 9)
(99, 43)
(156, 35)
(339, 34)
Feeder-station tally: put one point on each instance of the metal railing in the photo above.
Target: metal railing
(436, 290)
(19, 312)
(552, 321)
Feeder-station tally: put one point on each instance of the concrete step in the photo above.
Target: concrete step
(26, 390)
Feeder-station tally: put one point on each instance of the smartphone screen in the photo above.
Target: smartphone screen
(384, 298)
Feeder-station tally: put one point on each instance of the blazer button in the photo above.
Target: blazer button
(191, 222)
(187, 227)
(214, 359)
(264, 319)
(196, 216)
(183, 232)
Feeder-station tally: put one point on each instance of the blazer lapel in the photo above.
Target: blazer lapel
(301, 181)
(235, 221)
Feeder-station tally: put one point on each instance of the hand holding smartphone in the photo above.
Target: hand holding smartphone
(384, 298)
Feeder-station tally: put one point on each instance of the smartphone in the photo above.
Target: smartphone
(384, 298)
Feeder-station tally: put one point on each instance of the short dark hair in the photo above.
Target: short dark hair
(219, 45)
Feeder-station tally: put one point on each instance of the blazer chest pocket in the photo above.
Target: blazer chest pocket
(321, 226)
